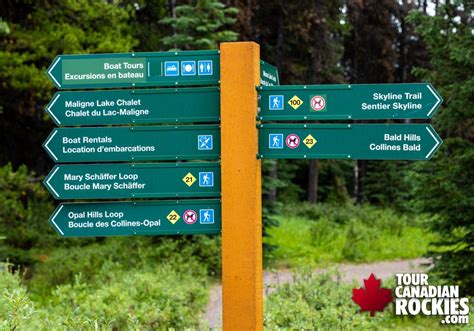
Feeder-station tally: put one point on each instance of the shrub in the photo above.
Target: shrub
(25, 208)
(15, 305)
(157, 297)
(199, 254)
(313, 302)
(322, 302)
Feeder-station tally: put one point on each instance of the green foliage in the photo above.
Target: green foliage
(370, 49)
(146, 26)
(334, 180)
(4, 28)
(313, 302)
(385, 184)
(200, 26)
(444, 187)
(335, 176)
(315, 235)
(60, 27)
(25, 208)
(321, 302)
(15, 305)
(38, 32)
(199, 253)
(270, 183)
(281, 175)
(122, 283)
(450, 43)
(161, 297)
(153, 283)
(156, 297)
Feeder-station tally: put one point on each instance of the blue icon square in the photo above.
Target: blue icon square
(206, 216)
(205, 68)
(188, 68)
(275, 141)
(205, 142)
(275, 102)
(206, 179)
(172, 68)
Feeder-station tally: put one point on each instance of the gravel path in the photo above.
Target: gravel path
(349, 272)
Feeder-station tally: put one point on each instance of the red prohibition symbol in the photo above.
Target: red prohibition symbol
(292, 141)
(318, 103)
(190, 216)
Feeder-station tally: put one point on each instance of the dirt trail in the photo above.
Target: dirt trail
(349, 272)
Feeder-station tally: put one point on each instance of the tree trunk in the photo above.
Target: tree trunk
(402, 42)
(313, 179)
(403, 63)
(172, 5)
(320, 34)
(280, 39)
(272, 195)
(359, 174)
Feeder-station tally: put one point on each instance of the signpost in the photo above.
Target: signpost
(268, 74)
(348, 141)
(238, 69)
(136, 143)
(135, 106)
(342, 102)
(134, 180)
(135, 69)
(137, 218)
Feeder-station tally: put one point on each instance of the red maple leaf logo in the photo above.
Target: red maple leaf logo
(372, 298)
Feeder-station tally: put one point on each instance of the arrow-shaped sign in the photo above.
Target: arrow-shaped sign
(348, 141)
(268, 74)
(136, 180)
(137, 143)
(135, 106)
(135, 69)
(342, 102)
(137, 218)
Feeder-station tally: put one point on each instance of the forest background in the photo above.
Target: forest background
(344, 210)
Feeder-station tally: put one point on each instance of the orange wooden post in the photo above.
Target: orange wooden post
(241, 188)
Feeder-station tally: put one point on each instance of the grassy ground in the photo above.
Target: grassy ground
(321, 238)
(311, 236)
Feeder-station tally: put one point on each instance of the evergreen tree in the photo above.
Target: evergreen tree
(146, 26)
(200, 26)
(370, 56)
(382, 182)
(40, 30)
(304, 40)
(325, 37)
(385, 184)
(444, 187)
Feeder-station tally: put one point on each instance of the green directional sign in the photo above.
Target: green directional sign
(134, 180)
(342, 102)
(268, 74)
(135, 106)
(136, 143)
(137, 218)
(348, 141)
(135, 69)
